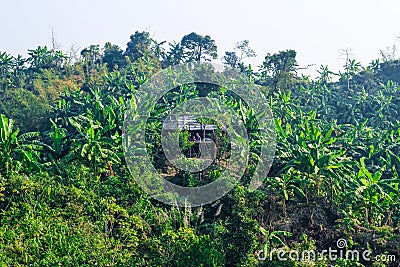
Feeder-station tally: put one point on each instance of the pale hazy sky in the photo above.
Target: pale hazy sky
(316, 29)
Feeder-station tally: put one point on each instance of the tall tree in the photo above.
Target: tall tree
(140, 44)
(197, 47)
(113, 56)
(91, 58)
(279, 70)
(231, 59)
(91, 55)
(241, 51)
(6, 62)
(235, 59)
(175, 55)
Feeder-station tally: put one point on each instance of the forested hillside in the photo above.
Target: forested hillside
(67, 197)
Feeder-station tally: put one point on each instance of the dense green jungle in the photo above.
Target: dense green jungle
(67, 197)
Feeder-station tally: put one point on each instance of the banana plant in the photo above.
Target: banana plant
(273, 238)
(312, 148)
(18, 152)
(373, 192)
(325, 75)
(58, 135)
(92, 145)
(284, 105)
(287, 185)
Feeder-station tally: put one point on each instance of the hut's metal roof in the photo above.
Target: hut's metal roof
(186, 122)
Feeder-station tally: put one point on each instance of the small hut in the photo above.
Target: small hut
(191, 124)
